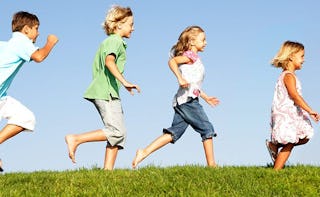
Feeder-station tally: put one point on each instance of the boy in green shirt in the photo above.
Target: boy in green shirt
(103, 91)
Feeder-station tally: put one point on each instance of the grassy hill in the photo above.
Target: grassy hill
(169, 181)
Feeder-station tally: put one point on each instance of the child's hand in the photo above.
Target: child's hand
(130, 88)
(315, 116)
(52, 39)
(213, 101)
(183, 83)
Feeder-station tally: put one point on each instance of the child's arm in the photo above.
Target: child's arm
(173, 64)
(290, 83)
(213, 101)
(111, 65)
(41, 54)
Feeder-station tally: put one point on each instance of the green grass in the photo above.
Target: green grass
(168, 181)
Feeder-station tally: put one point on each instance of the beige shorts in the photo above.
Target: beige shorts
(112, 116)
(16, 113)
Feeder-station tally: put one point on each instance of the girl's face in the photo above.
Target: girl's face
(297, 59)
(127, 28)
(200, 42)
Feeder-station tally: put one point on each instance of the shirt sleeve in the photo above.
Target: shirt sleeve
(191, 55)
(112, 47)
(26, 49)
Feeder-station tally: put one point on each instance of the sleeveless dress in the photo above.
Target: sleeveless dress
(289, 123)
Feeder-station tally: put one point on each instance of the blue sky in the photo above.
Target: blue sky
(242, 38)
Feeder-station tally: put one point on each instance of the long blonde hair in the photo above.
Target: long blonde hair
(184, 41)
(282, 58)
(115, 16)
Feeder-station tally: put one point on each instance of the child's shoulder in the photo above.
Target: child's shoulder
(113, 40)
(288, 73)
(191, 55)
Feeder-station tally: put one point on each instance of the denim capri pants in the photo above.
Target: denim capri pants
(190, 113)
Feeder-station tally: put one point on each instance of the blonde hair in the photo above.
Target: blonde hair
(184, 41)
(115, 16)
(288, 48)
(21, 19)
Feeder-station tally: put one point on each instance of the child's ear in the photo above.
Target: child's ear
(25, 30)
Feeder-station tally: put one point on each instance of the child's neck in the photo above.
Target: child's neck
(290, 68)
(193, 49)
(118, 32)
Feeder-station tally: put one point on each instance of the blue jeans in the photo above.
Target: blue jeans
(190, 113)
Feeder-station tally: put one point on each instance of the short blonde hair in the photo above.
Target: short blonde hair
(288, 48)
(115, 16)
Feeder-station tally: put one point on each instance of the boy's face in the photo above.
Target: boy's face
(127, 27)
(32, 32)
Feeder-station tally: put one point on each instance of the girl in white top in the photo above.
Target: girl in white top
(187, 67)
(290, 125)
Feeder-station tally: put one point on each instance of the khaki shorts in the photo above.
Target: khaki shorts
(112, 116)
(16, 113)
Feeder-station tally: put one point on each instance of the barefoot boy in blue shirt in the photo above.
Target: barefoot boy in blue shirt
(13, 54)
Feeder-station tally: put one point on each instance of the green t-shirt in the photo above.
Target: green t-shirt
(104, 85)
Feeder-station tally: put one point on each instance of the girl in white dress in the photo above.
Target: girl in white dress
(290, 123)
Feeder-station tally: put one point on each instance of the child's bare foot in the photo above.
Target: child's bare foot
(70, 140)
(140, 155)
(213, 165)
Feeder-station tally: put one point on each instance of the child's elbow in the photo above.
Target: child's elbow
(171, 63)
(37, 58)
(296, 98)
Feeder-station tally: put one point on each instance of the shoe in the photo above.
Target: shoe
(273, 154)
(1, 169)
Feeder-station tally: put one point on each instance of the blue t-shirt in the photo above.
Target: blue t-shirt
(13, 54)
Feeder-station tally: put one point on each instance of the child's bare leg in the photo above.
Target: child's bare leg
(208, 150)
(74, 140)
(9, 131)
(283, 156)
(110, 157)
(155, 145)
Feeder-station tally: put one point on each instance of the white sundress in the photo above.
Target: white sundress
(289, 123)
